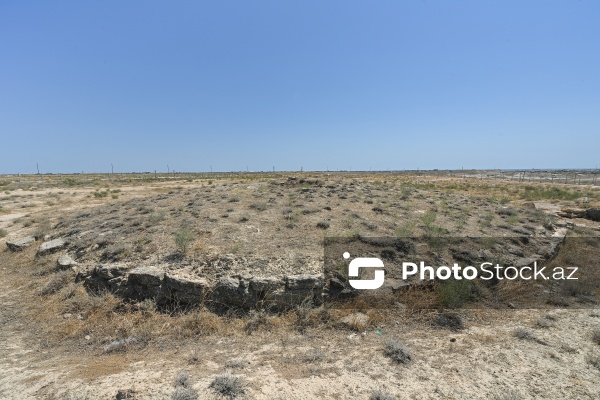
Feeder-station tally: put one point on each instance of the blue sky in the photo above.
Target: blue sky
(320, 85)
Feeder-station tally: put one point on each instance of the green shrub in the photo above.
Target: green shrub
(455, 293)
(183, 239)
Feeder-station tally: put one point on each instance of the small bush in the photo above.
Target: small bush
(157, 216)
(182, 380)
(545, 322)
(449, 320)
(406, 229)
(455, 293)
(397, 351)
(182, 393)
(594, 361)
(523, 334)
(526, 334)
(228, 385)
(508, 395)
(313, 355)
(183, 388)
(259, 206)
(257, 320)
(100, 194)
(381, 394)
(195, 357)
(596, 336)
(3, 233)
(183, 239)
(235, 363)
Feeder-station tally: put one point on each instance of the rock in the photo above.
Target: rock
(548, 207)
(115, 283)
(264, 285)
(52, 246)
(228, 292)
(84, 272)
(20, 244)
(394, 284)
(560, 234)
(525, 262)
(65, 262)
(186, 290)
(593, 214)
(572, 213)
(336, 283)
(521, 230)
(304, 282)
(529, 205)
(146, 276)
(111, 271)
(517, 251)
(119, 345)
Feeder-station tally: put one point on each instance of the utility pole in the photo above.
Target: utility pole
(37, 167)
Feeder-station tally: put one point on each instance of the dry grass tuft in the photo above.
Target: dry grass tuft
(397, 351)
(228, 386)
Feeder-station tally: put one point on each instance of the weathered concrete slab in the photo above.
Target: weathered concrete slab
(146, 276)
(52, 246)
(304, 282)
(266, 284)
(19, 244)
(187, 290)
(111, 271)
(65, 262)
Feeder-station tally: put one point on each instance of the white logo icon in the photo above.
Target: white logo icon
(365, 262)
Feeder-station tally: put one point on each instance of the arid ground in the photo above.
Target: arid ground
(63, 338)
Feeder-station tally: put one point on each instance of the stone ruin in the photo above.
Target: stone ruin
(183, 288)
(180, 287)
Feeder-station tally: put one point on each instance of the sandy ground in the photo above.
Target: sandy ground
(483, 361)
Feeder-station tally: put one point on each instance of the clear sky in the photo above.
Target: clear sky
(320, 85)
